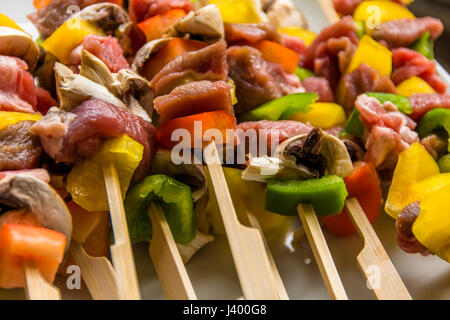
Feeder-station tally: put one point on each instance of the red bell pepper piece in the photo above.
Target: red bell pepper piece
(275, 52)
(219, 120)
(156, 26)
(363, 184)
(19, 243)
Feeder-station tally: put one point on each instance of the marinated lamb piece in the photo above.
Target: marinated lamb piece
(330, 53)
(408, 63)
(39, 173)
(107, 49)
(346, 7)
(144, 9)
(67, 137)
(44, 100)
(363, 79)
(404, 32)
(192, 98)
(271, 130)
(296, 44)
(17, 88)
(389, 131)
(257, 80)
(320, 85)
(239, 33)
(19, 148)
(209, 63)
(405, 237)
(421, 103)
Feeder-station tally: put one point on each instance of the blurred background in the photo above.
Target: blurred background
(439, 9)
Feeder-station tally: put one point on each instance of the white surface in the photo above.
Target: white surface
(212, 271)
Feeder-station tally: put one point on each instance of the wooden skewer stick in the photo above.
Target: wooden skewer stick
(37, 287)
(97, 272)
(321, 252)
(253, 222)
(373, 260)
(166, 258)
(329, 11)
(121, 252)
(246, 244)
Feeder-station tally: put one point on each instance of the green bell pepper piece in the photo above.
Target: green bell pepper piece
(353, 127)
(444, 164)
(175, 199)
(360, 28)
(436, 119)
(401, 102)
(327, 195)
(282, 108)
(424, 45)
(303, 73)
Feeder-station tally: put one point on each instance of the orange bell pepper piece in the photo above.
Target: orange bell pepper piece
(174, 48)
(156, 26)
(275, 52)
(19, 243)
(219, 120)
(363, 184)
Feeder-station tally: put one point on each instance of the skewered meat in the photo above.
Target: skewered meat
(238, 33)
(257, 80)
(107, 49)
(421, 103)
(404, 32)
(39, 173)
(320, 85)
(346, 7)
(192, 98)
(296, 44)
(209, 63)
(408, 63)
(17, 88)
(405, 237)
(19, 148)
(67, 137)
(364, 79)
(390, 131)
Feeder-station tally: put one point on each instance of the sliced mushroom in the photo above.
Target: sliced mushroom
(189, 250)
(17, 43)
(73, 89)
(27, 192)
(205, 23)
(307, 156)
(191, 174)
(284, 13)
(94, 69)
(147, 51)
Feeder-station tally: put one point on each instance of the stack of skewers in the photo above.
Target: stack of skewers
(134, 125)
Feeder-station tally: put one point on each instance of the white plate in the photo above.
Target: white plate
(212, 271)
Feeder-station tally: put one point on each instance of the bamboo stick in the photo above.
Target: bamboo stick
(37, 288)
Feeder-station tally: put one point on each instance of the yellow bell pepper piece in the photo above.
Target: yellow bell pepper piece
(432, 227)
(414, 85)
(422, 189)
(85, 182)
(246, 195)
(324, 115)
(234, 99)
(374, 55)
(8, 117)
(306, 35)
(240, 11)
(374, 13)
(414, 165)
(6, 21)
(68, 36)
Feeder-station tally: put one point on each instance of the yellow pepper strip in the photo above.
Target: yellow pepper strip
(374, 55)
(306, 35)
(68, 36)
(6, 21)
(245, 195)
(85, 182)
(414, 165)
(374, 13)
(240, 11)
(432, 227)
(414, 85)
(234, 99)
(7, 118)
(324, 115)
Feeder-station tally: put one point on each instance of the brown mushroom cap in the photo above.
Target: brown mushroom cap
(17, 43)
